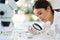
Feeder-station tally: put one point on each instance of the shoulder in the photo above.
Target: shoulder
(57, 14)
(56, 17)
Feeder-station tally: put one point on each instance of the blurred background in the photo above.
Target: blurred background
(22, 18)
(25, 10)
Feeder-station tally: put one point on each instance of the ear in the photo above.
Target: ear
(48, 9)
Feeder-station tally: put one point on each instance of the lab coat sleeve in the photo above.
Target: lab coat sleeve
(57, 22)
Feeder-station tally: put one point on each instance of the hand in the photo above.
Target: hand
(33, 30)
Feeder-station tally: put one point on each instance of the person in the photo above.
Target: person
(44, 11)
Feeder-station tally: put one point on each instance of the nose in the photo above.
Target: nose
(40, 17)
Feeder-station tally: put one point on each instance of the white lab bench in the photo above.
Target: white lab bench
(23, 34)
(20, 32)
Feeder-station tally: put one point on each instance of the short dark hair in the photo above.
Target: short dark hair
(42, 4)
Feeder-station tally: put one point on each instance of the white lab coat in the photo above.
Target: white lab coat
(54, 30)
(55, 27)
(56, 21)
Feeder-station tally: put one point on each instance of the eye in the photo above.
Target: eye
(39, 13)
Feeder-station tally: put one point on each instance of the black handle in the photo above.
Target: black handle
(1, 13)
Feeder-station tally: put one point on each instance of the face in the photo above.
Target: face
(42, 14)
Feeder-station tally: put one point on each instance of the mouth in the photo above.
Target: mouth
(43, 20)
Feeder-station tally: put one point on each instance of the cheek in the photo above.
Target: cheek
(44, 15)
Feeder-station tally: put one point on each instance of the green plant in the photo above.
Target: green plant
(28, 11)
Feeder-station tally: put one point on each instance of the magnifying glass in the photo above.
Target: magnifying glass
(37, 26)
